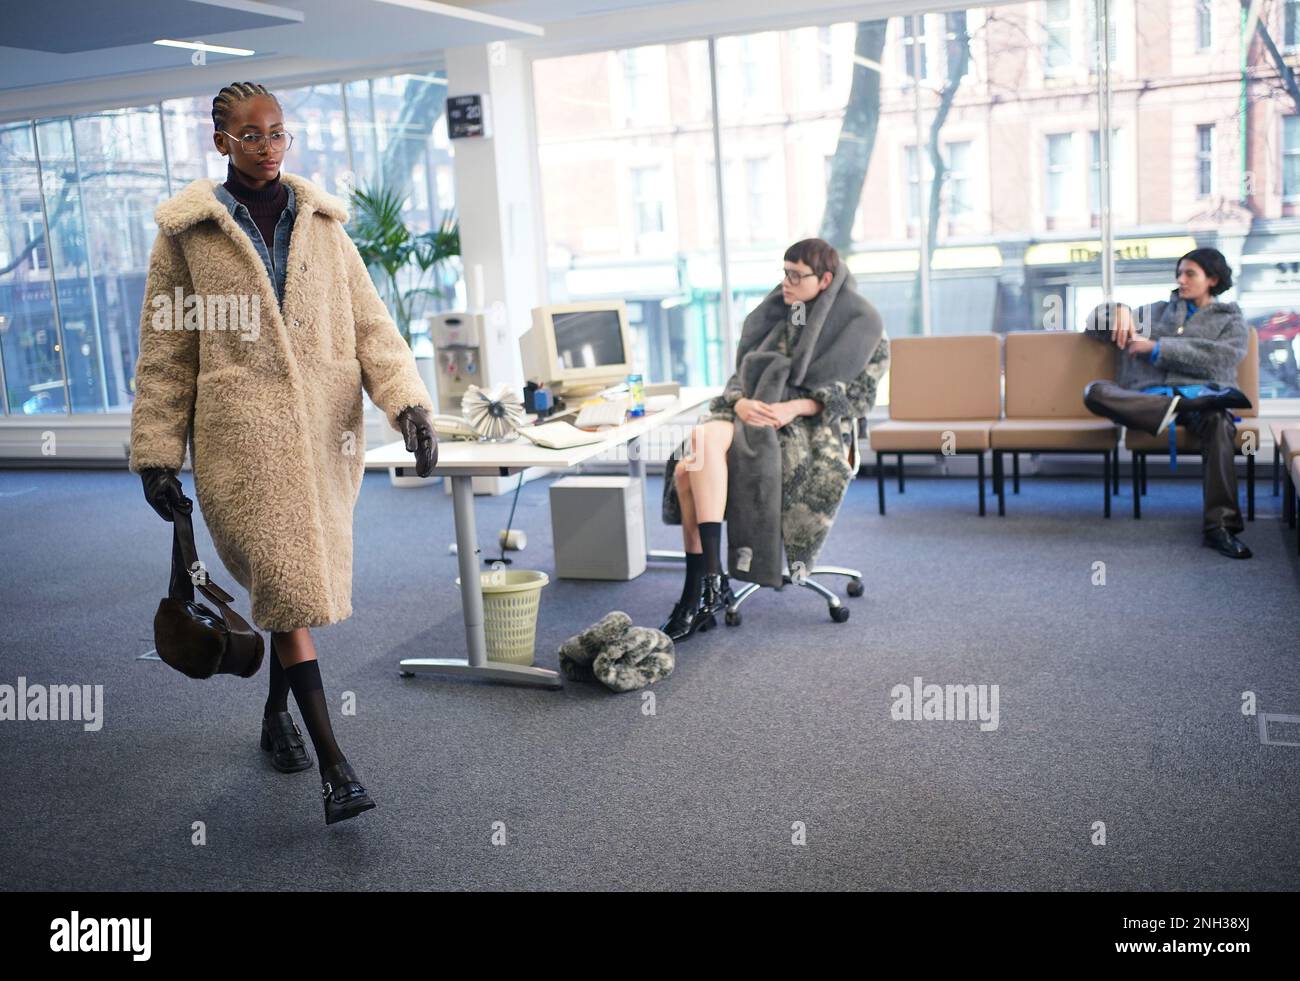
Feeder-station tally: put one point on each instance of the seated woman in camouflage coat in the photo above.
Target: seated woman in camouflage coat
(808, 363)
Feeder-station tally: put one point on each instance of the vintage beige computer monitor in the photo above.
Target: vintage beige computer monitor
(577, 349)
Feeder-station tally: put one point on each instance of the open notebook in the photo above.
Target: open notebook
(559, 435)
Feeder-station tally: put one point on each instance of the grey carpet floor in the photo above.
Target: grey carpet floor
(1120, 705)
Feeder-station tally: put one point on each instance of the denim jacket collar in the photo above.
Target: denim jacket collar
(274, 255)
(234, 206)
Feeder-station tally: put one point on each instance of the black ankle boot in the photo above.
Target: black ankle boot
(717, 593)
(344, 796)
(282, 738)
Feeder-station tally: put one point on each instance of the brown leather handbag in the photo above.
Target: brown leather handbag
(188, 635)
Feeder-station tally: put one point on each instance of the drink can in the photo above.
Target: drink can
(636, 391)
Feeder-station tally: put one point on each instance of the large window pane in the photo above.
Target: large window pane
(33, 368)
(69, 256)
(361, 131)
(122, 180)
(625, 146)
(1013, 170)
(1227, 179)
(191, 153)
(314, 115)
(100, 177)
(406, 124)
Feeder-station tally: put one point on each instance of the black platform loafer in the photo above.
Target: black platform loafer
(1226, 543)
(685, 620)
(344, 796)
(282, 738)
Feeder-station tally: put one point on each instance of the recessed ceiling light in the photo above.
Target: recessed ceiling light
(461, 13)
(200, 46)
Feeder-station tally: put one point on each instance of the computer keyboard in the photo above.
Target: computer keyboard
(607, 412)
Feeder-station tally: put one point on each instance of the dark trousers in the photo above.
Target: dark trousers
(1215, 430)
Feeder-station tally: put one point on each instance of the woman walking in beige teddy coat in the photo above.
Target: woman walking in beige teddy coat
(268, 397)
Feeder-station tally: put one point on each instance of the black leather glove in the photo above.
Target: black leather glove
(417, 430)
(162, 489)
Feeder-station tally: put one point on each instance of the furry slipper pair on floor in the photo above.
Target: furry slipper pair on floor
(622, 656)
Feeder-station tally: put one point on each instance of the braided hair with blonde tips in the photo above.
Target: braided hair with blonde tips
(233, 94)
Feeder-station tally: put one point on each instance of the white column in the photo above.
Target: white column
(498, 203)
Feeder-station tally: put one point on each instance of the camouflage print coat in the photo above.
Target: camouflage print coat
(814, 452)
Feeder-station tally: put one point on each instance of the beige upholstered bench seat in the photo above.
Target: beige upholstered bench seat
(907, 436)
(1277, 427)
(944, 394)
(1086, 435)
(1288, 437)
(1135, 439)
(1047, 372)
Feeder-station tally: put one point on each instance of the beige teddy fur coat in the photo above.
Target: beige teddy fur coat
(271, 407)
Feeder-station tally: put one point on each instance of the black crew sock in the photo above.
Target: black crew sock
(694, 586)
(308, 692)
(711, 539)
(277, 698)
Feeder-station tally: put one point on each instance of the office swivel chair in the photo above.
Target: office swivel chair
(839, 612)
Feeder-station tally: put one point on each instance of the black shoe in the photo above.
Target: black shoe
(717, 593)
(1229, 398)
(282, 738)
(686, 619)
(344, 796)
(1226, 543)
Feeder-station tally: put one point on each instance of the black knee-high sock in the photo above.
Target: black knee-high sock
(711, 539)
(277, 697)
(694, 586)
(308, 692)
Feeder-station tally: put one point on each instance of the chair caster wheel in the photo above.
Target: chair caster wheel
(855, 587)
(733, 618)
(406, 674)
(839, 613)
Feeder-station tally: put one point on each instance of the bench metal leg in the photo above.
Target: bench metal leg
(1288, 506)
(900, 473)
(1015, 473)
(981, 481)
(1105, 483)
(1250, 486)
(1137, 485)
(999, 482)
(880, 480)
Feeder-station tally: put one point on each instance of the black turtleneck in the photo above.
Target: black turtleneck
(265, 205)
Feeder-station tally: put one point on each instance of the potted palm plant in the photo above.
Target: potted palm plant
(408, 268)
(408, 264)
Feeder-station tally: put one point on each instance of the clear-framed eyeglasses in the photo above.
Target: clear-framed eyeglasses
(253, 142)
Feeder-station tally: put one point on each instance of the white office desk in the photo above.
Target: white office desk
(461, 461)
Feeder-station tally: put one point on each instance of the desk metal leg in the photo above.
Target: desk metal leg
(636, 469)
(471, 598)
